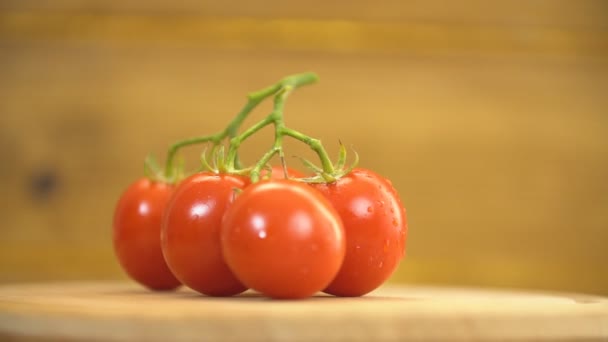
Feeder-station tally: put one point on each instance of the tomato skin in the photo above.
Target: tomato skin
(191, 233)
(375, 227)
(136, 234)
(283, 239)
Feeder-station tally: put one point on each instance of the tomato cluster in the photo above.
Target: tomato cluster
(221, 232)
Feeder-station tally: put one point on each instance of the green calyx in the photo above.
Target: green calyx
(227, 161)
(340, 168)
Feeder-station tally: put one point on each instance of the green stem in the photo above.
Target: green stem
(296, 81)
(253, 100)
(276, 118)
(255, 171)
(236, 142)
(169, 169)
(317, 146)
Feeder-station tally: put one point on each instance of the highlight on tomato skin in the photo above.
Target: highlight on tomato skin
(283, 239)
(375, 227)
(190, 235)
(136, 234)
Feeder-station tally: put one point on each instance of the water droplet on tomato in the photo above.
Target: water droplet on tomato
(262, 234)
(395, 222)
(370, 209)
(380, 264)
(387, 243)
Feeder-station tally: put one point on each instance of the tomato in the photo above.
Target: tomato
(191, 233)
(136, 234)
(375, 227)
(283, 239)
(279, 173)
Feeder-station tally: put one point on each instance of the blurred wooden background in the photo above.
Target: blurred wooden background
(489, 117)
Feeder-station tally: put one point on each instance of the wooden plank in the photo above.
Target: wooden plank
(114, 311)
(518, 13)
(301, 34)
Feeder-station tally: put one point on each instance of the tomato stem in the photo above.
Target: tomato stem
(317, 146)
(253, 100)
(276, 117)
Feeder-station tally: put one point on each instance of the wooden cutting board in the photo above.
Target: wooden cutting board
(124, 311)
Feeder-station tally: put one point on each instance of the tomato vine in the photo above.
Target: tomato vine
(342, 230)
(172, 171)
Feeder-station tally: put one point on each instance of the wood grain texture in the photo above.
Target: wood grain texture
(517, 13)
(489, 119)
(342, 35)
(123, 311)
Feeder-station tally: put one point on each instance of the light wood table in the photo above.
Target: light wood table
(124, 311)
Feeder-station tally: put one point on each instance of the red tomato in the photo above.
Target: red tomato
(136, 234)
(375, 227)
(283, 239)
(279, 173)
(191, 233)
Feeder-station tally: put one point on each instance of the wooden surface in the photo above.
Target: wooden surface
(123, 311)
(488, 117)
